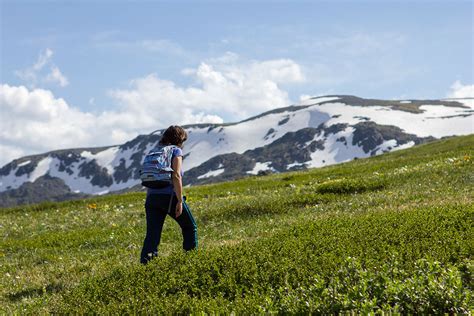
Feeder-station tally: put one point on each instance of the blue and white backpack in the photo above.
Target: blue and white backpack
(156, 172)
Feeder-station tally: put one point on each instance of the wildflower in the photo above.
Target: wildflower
(92, 206)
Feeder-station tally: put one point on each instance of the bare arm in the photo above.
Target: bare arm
(177, 183)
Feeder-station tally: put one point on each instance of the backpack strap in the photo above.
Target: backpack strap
(172, 194)
(171, 201)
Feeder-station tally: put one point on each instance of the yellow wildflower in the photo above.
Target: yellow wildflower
(92, 206)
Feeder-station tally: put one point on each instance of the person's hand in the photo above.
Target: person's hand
(179, 209)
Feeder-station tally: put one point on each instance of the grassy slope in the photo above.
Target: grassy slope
(390, 232)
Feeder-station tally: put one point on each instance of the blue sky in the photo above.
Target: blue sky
(103, 57)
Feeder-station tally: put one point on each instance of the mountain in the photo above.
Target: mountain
(321, 131)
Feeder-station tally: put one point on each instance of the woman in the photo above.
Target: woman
(159, 201)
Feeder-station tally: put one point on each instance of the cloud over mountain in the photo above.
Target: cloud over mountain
(458, 90)
(224, 87)
(35, 120)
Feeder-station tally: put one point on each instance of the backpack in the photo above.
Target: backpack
(156, 172)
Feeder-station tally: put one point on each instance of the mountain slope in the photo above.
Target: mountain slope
(389, 233)
(319, 132)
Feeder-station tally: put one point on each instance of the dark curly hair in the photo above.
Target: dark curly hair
(174, 135)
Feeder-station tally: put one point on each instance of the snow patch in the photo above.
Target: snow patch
(103, 158)
(24, 163)
(261, 166)
(428, 123)
(294, 164)
(392, 145)
(212, 173)
(404, 146)
(41, 169)
(386, 146)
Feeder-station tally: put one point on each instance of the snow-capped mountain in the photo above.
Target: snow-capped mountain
(321, 131)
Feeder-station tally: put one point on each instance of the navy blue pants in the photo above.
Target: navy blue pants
(156, 208)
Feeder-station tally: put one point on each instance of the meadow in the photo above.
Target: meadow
(391, 233)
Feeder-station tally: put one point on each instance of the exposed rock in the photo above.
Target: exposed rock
(99, 176)
(369, 135)
(334, 129)
(284, 121)
(26, 169)
(269, 133)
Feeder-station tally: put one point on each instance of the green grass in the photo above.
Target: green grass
(389, 233)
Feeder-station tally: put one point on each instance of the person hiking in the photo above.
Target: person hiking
(169, 200)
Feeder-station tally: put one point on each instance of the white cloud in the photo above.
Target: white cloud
(223, 86)
(56, 76)
(35, 121)
(37, 74)
(458, 90)
(43, 59)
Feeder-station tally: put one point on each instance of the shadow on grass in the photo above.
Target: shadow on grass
(31, 292)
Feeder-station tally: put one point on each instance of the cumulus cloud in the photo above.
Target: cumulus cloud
(34, 120)
(225, 87)
(458, 90)
(40, 73)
